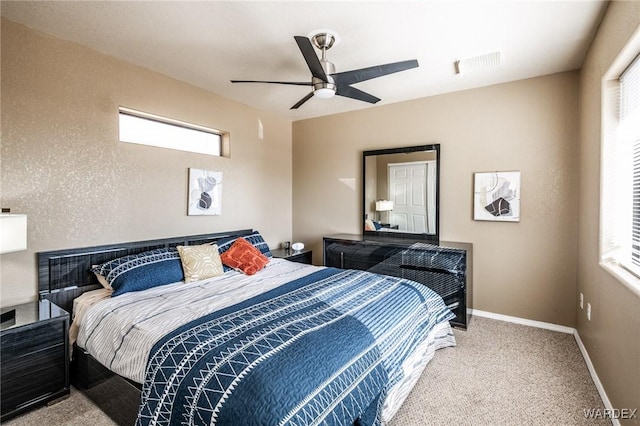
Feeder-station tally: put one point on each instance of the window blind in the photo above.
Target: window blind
(629, 135)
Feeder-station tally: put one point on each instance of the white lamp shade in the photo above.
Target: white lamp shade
(13, 232)
(384, 205)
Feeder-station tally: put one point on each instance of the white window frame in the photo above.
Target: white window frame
(619, 141)
(152, 130)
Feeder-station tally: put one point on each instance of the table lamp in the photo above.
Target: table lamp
(13, 237)
(383, 206)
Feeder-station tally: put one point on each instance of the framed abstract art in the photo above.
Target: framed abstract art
(205, 193)
(496, 196)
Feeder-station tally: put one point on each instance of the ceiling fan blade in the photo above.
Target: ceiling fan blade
(274, 82)
(311, 58)
(352, 92)
(303, 100)
(363, 74)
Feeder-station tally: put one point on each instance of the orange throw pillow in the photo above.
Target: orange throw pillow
(243, 256)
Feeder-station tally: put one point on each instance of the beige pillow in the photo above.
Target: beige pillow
(200, 262)
(102, 280)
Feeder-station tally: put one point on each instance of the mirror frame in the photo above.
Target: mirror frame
(435, 238)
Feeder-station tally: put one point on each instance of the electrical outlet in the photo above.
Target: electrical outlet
(589, 311)
(581, 301)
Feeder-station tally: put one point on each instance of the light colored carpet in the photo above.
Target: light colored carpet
(504, 374)
(499, 374)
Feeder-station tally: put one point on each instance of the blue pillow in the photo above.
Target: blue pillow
(141, 271)
(255, 239)
(377, 225)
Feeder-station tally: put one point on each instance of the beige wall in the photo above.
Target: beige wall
(612, 337)
(525, 269)
(63, 166)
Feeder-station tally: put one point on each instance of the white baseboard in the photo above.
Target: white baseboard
(561, 329)
(594, 376)
(524, 321)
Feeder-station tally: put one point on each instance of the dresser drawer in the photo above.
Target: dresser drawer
(16, 343)
(435, 259)
(445, 284)
(348, 255)
(27, 378)
(443, 271)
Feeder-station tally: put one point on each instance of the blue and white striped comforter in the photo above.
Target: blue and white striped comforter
(325, 348)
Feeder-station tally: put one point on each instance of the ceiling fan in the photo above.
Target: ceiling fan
(325, 81)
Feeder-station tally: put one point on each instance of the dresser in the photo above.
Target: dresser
(446, 268)
(34, 357)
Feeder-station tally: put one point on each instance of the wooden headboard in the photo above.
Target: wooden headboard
(64, 275)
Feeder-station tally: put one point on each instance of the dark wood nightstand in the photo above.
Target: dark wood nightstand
(300, 256)
(34, 357)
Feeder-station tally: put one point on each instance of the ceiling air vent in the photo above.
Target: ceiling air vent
(477, 63)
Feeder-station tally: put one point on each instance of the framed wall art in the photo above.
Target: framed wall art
(205, 193)
(496, 196)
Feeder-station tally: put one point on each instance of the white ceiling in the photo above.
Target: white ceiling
(208, 43)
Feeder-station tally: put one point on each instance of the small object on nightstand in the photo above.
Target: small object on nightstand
(300, 256)
(34, 357)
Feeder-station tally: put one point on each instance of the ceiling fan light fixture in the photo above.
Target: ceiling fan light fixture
(324, 89)
(324, 93)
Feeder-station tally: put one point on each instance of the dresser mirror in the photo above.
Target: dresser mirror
(401, 192)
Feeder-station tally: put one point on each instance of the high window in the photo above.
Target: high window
(147, 129)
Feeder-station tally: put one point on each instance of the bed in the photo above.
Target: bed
(289, 344)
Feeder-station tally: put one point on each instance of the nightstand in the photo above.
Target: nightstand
(34, 357)
(300, 256)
